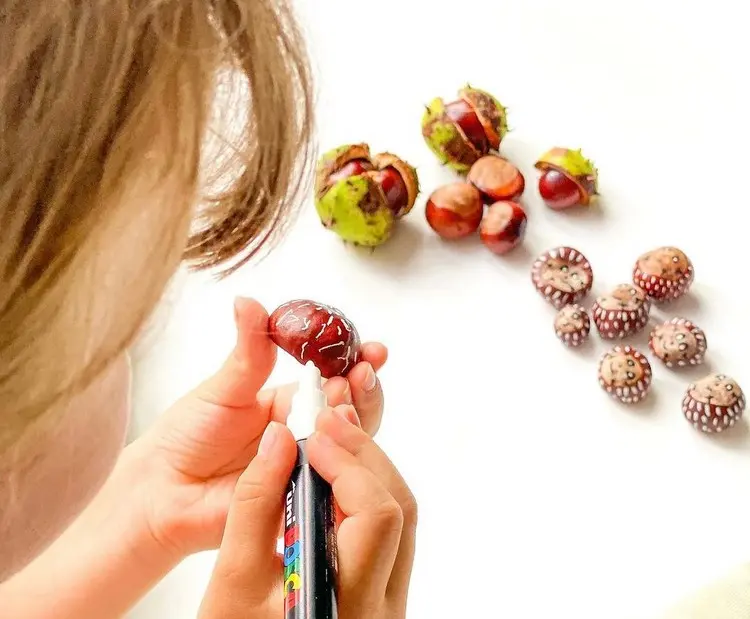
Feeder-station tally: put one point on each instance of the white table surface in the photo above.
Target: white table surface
(539, 496)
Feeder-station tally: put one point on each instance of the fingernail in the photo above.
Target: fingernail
(240, 304)
(347, 395)
(269, 439)
(371, 381)
(238, 301)
(349, 414)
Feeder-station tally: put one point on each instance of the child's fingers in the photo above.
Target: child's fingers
(368, 538)
(247, 368)
(213, 428)
(247, 568)
(338, 390)
(338, 424)
(367, 395)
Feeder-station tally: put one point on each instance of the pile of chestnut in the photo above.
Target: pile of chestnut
(458, 209)
(465, 135)
(362, 197)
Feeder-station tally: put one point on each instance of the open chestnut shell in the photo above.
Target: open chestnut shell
(568, 178)
(360, 196)
(462, 131)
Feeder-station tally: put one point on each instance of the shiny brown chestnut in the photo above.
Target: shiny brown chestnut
(312, 331)
(497, 179)
(455, 210)
(503, 226)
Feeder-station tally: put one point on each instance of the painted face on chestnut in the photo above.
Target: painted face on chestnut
(623, 297)
(621, 369)
(570, 319)
(564, 276)
(716, 389)
(674, 342)
(666, 262)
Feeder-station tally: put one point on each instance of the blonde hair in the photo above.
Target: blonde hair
(106, 107)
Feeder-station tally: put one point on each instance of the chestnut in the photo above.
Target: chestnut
(497, 179)
(503, 226)
(568, 178)
(312, 331)
(462, 131)
(360, 196)
(454, 210)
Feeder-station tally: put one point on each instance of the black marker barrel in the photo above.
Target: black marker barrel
(309, 544)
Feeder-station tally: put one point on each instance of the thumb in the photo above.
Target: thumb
(248, 569)
(248, 367)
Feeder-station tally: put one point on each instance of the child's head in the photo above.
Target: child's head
(106, 151)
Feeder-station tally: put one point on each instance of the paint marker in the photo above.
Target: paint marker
(309, 520)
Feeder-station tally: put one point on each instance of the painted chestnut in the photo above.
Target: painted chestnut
(678, 342)
(664, 273)
(503, 226)
(454, 210)
(622, 312)
(568, 178)
(360, 196)
(311, 331)
(573, 325)
(625, 374)
(462, 131)
(562, 275)
(497, 179)
(714, 403)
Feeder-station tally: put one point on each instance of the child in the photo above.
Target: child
(107, 129)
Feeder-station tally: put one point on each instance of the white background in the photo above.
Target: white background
(539, 496)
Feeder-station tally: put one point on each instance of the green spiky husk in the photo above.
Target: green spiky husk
(334, 158)
(445, 139)
(572, 163)
(353, 209)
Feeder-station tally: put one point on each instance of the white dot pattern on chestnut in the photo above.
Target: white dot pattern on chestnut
(621, 313)
(625, 374)
(562, 276)
(348, 354)
(721, 414)
(572, 325)
(678, 343)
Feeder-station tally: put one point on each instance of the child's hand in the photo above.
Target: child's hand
(191, 459)
(375, 538)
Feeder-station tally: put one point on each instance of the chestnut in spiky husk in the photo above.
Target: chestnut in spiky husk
(360, 196)
(568, 178)
(462, 131)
